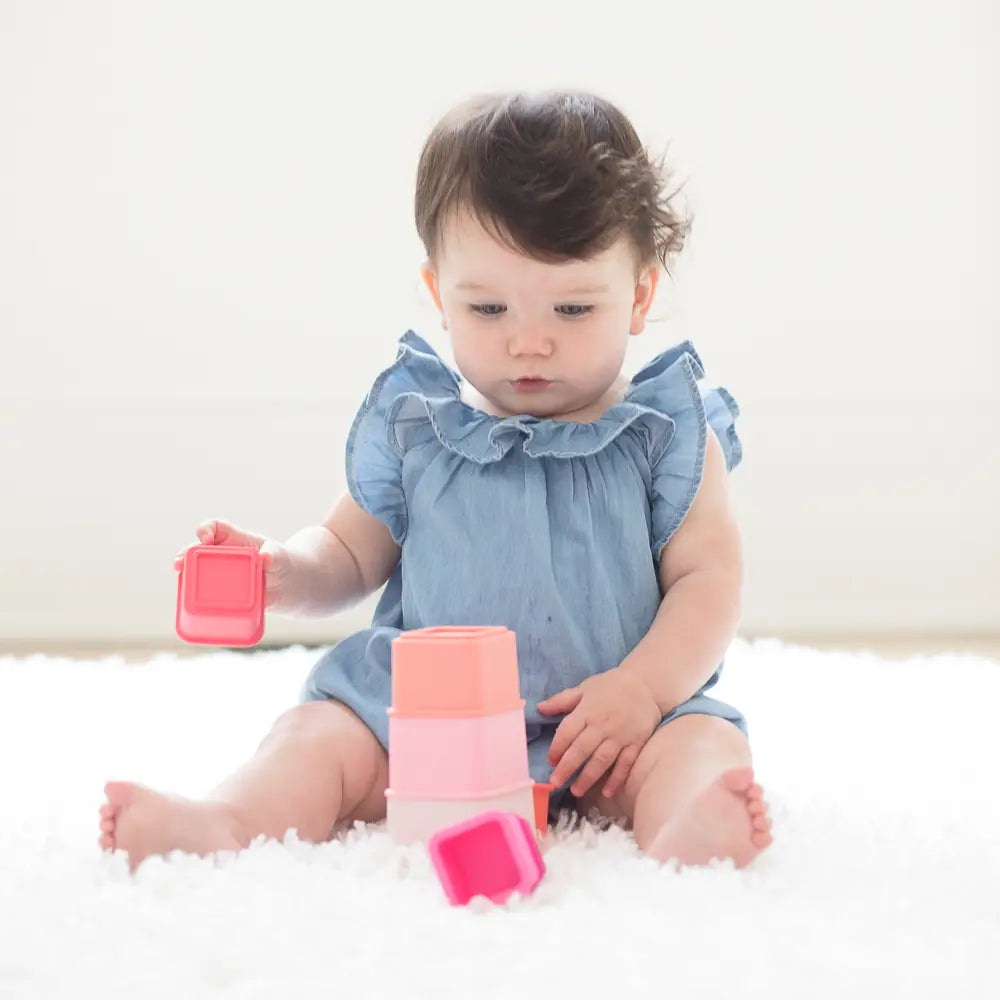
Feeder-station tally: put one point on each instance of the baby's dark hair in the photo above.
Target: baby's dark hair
(557, 175)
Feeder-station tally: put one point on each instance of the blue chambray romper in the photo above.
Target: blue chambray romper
(551, 528)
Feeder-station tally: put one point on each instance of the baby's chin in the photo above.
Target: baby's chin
(554, 402)
(544, 405)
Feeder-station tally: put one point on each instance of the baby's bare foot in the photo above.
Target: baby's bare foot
(143, 822)
(728, 819)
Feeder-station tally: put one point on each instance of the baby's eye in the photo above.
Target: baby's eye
(583, 310)
(489, 309)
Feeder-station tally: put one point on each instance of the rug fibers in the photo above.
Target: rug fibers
(884, 879)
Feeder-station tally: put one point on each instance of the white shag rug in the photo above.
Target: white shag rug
(884, 879)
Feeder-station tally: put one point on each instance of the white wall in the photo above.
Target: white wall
(207, 252)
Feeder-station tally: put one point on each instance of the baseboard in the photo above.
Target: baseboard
(883, 644)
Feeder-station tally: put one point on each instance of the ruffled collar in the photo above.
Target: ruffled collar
(662, 386)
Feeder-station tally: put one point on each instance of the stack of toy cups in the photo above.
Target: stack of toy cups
(457, 743)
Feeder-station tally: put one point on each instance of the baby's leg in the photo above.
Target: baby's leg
(691, 795)
(319, 765)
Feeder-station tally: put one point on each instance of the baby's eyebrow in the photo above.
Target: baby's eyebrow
(587, 290)
(474, 286)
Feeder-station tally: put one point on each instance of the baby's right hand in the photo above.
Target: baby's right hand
(274, 555)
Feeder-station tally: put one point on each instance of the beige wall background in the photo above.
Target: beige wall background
(207, 253)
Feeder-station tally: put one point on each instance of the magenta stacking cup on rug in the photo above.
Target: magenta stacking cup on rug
(494, 855)
(457, 743)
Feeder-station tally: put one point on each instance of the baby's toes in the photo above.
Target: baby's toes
(738, 779)
(756, 807)
(754, 793)
(761, 838)
(762, 823)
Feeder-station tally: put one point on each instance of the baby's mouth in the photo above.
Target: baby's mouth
(531, 384)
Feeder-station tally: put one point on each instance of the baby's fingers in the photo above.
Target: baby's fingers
(575, 757)
(207, 533)
(215, 533)
(597, 766)
(566, 733)
(623, 767)
(223, 533)
(179, 558)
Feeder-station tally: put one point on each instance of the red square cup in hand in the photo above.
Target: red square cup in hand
(220, 595)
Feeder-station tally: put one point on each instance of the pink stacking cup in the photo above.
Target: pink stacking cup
(457, 756)
(414, 819)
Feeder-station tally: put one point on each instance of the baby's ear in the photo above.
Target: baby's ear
(645, 289)
(430, 280)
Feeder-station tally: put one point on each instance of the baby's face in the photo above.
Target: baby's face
(536, 338)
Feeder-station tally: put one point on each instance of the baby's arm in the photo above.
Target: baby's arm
(701, 576)
(335, 564)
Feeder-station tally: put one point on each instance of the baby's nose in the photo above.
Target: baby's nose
(530, 340)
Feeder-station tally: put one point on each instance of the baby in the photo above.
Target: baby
(541, 490)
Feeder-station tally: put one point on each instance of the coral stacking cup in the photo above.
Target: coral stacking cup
(220, 595)
(455, 671)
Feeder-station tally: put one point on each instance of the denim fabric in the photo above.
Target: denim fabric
(553, 529)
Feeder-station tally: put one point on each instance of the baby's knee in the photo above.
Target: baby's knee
(311, 717)
(329, 729)
(317, 722)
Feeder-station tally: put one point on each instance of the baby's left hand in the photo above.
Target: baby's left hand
(611, 716)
